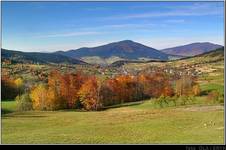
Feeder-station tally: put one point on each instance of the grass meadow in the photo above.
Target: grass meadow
(141, 123)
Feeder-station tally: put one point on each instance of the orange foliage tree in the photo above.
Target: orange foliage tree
(155, 85)
(66, 87)
(70, 85)
(90, 94)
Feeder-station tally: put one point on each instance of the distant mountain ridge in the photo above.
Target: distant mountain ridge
(36, 57)
(126, 49)
(192, 49)
(122, 51)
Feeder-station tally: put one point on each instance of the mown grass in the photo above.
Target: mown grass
(8, 106)
(141, 123)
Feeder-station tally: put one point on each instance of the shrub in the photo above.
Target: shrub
(196, 90)
(24, 102)
(183, 100)
(162, 101)
(173, 100)
(215, 97)
(221, 99)
(191, 99)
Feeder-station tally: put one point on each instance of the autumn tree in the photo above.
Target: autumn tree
(168, 90)
(128, 88)
(19, 85)
(54, 97)
(89, 94)
(39, 97)
(53, 100)
(60, 92)
(70, 85)
(156, 84)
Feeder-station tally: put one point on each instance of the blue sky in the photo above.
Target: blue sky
(52, 26)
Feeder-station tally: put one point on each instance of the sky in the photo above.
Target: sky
(54, 26)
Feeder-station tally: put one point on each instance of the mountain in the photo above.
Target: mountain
(36, 57)
(191, 49)
(126, 49)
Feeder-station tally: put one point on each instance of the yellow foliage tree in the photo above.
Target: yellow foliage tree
(39, 97)
(19, 83)
(54, 101)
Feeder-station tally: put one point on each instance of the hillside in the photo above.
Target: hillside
(204, 63)
(192, 49)
(124, 49)
(208, 57)
(123, 62)
(36, 57)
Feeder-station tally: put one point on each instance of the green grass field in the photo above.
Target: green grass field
(8, 107)
(138, 123)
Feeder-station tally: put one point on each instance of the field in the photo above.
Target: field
(137, 123)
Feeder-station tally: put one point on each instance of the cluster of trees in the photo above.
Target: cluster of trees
(60, 92)
(78, 90)
(128, 88)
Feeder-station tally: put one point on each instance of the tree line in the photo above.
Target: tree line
(89, 92)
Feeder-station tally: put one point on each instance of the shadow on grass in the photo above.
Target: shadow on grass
(28, 116)
(11, 115)
(123, 105)
(6, 111)
(205, 92)
(104, 108)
